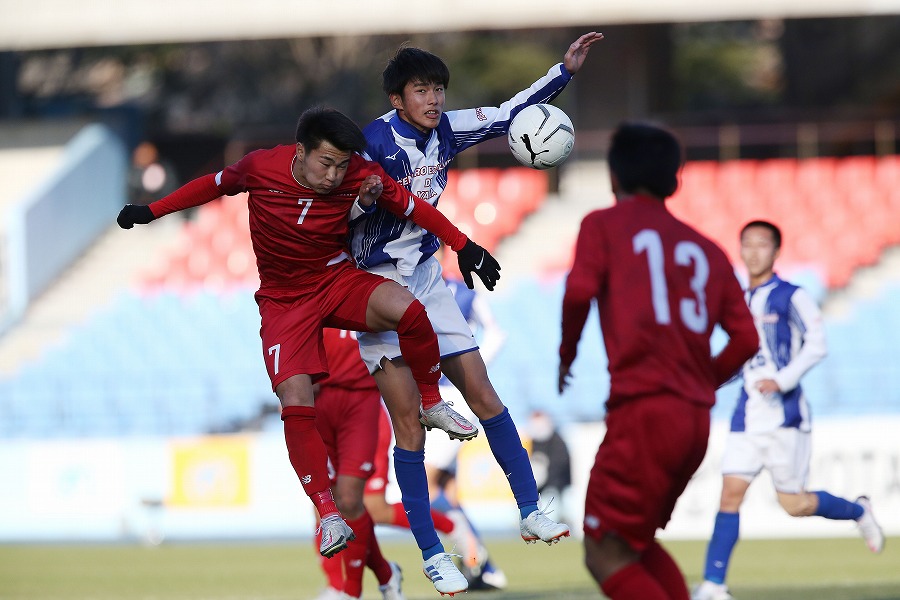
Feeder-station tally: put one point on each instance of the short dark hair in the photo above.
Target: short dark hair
(645, 156)
(413, 64)
(322, 124)
(776, 232)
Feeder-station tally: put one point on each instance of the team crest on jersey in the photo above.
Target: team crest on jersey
(479, 114)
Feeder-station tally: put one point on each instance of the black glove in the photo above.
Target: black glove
(134, 214)
(473, 257)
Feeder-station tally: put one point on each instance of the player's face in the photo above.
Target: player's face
(758, 251)
(323, 169)
(421, 104)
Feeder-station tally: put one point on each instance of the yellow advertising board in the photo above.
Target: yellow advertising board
(210, 472)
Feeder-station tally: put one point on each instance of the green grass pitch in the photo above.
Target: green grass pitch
(820, 569)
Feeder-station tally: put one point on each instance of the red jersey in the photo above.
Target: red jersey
(660, 287)
(346, 368)
(295, 231)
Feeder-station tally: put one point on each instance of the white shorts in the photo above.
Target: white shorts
(785, 452)
(440, 450)
(427, 285)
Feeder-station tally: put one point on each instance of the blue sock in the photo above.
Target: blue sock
(409, 468)
(718, 553)
(506, 446)
(832, 507)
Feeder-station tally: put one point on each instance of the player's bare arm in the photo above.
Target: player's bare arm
(578, 51)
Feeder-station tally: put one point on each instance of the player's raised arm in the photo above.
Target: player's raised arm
(194, 193)
(578, 51)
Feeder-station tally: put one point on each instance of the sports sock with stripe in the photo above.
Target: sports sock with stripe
(409, 468)
(718, 553)
(503, 438)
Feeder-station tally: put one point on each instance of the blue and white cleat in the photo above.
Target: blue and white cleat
(442, 572)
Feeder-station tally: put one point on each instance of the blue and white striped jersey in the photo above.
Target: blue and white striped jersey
(419, 162)
(792, 341)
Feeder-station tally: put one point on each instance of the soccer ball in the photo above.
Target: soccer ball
(541, 136)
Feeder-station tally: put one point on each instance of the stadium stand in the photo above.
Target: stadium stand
(837, 214)
(188, 362)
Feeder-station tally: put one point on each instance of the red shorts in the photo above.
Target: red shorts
(292, 321)
(345, 419)
(651, 450)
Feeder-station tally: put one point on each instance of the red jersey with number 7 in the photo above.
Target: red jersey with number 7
(660, 287)
(296, 232)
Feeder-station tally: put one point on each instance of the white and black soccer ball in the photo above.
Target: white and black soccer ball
(541, 136)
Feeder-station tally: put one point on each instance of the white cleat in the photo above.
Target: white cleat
(869, 527)
(335, 535)
(538, 526)
(443, 573)
(441, 416)
(391, 590)
(330, 593)
(711, 591)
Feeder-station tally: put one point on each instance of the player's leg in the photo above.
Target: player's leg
(742, 461)
(293, 353)
(468, 373)
(790, 469)
(651, 448)
(309, 458)
(423, 284)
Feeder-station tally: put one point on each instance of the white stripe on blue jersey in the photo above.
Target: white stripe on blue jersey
(419, 162)
(792, 341)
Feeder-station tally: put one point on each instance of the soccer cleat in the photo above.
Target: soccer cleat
(467, 544)
(443, 573)
(391, 590)
(491, 578)
(711, 591)
(538, 526)
(441, 416)
(330, 593)
(869, 527)
(335, 535)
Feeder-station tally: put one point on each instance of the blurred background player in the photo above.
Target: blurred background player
(441, 451)
(300, 198)
(550, 458)
(415, 143)
(771, 425)
(351, 445)
(359, 467)
(661, 288)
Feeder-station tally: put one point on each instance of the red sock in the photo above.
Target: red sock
(419, 347)
(663, 568)
(333, 569)
(633, 583)
(308, 456)
(356, 555)
(441, 522)
(377, 562)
